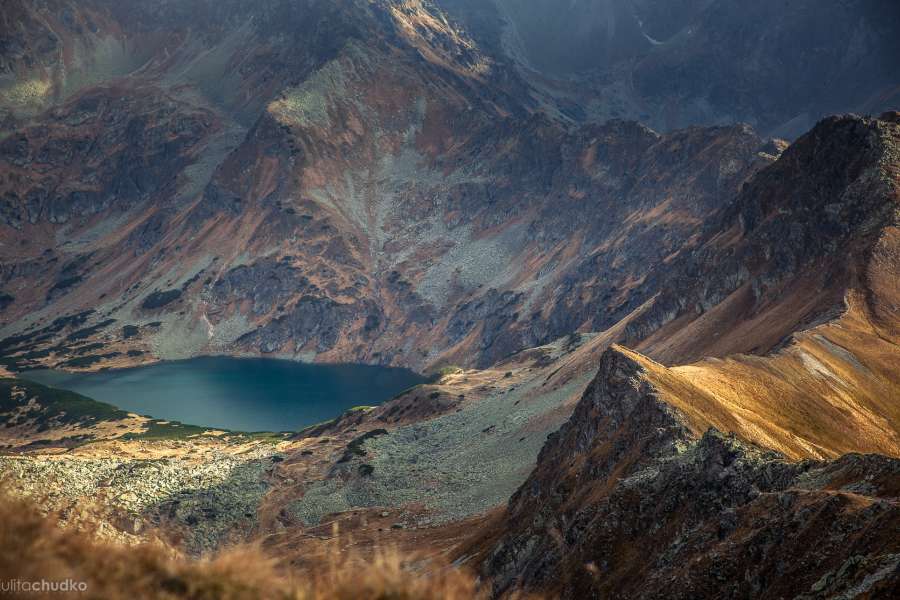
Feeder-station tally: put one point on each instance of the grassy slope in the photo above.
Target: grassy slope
(63, 406)
(832, 391)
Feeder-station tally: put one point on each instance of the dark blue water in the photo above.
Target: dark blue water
(236, 393)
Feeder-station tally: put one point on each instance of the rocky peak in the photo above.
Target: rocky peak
(841, 155)
(628, 499)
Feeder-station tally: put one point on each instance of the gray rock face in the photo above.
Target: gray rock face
(124, 149)
(312, 320)
(266, 283)
(494, 313)
(576, 36)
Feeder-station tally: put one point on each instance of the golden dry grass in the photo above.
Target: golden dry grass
(835, 389)
(34, 547)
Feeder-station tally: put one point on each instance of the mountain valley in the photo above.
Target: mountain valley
(643, 251)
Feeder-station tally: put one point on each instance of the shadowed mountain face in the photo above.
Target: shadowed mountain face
(674, 63)
(576, 36)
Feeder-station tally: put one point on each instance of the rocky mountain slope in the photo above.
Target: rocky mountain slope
(373, 199)
(623, 479)
(641, 468)
(630, 499)
(341, 181)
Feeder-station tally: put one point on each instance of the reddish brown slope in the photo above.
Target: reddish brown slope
(817, 224)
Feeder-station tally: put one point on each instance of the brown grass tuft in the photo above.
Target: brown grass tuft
(35, 547)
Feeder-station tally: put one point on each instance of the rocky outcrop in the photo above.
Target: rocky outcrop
(313, 324)
(123, 148)
(206, 503)
(266, 283)
(630, 499)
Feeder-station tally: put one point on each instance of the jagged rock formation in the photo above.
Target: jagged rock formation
(787, 252)
(630, 499)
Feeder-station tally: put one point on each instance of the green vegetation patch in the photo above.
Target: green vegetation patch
(81, 362)
(449, 370)
(29, 343)
(175, 430)
(166, 430)
(444, 371)
(87, 332)
(86, 348)
(61, 406)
